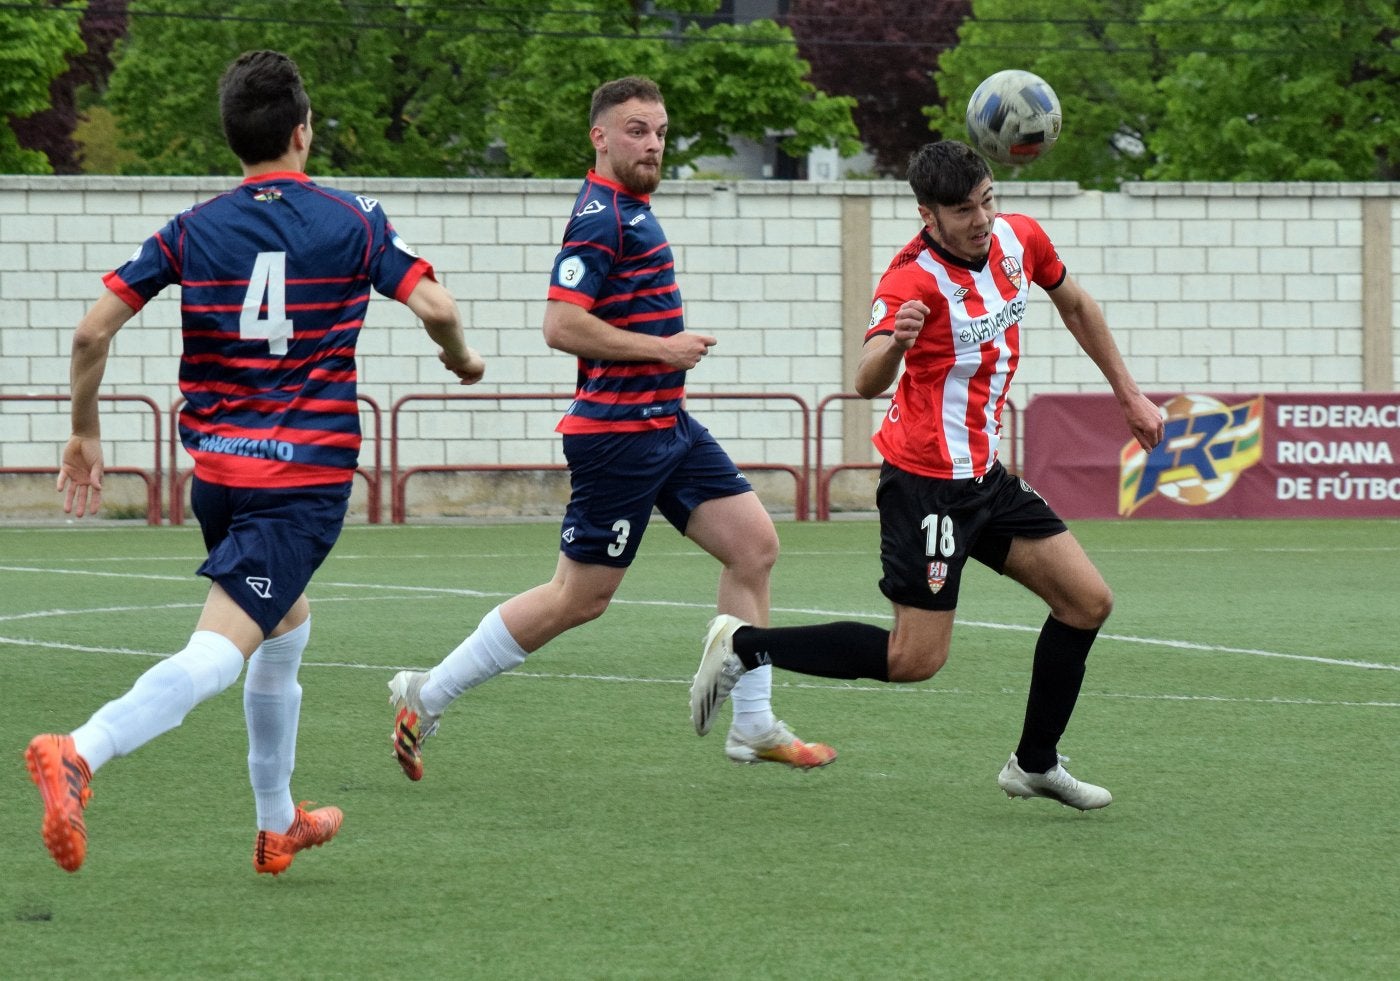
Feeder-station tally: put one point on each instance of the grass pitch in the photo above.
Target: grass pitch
(1243, 705)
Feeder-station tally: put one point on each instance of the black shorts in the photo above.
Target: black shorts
(929, 528)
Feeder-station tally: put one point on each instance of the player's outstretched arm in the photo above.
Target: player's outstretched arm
(80, 473)
(1085, 320)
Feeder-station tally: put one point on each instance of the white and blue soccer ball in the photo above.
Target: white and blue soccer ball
(1014, 117)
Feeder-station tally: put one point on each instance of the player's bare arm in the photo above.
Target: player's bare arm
(80, 474)
(437, 309)
(573, 330)
(1085, 320)
(882, 354)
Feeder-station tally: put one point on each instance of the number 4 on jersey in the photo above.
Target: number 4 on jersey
(269, 279)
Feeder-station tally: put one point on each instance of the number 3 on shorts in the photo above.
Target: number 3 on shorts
(939, 534)
(623, 527)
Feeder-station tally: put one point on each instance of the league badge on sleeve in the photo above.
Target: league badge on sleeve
(570, 274)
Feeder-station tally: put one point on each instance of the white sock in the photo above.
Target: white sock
(753, 701)
(489, 651)
(271, 707)
(160, 699)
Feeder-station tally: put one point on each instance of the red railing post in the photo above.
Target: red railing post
(151, 477)
(398, 477)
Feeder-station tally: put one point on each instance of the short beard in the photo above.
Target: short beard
(638, 183)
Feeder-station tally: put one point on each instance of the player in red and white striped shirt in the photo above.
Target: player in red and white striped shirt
(949, 311)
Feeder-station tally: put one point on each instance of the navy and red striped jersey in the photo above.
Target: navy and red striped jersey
(945, 418)
(616, 263)
(275, 279)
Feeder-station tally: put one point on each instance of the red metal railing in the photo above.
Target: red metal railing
(824, 476)
(398, 478)
(152, 477)
(802, 474)
(372, 476)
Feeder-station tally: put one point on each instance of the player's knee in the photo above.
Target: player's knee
(589, 607)
(1089, 611)
(1100, 606)
(918, 663)
(754, 560)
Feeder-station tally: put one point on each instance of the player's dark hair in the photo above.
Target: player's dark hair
(261, 101)
(621, 90)
(946, 172)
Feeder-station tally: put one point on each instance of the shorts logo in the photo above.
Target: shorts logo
(260, 585)
(568, 534)
(937, 575)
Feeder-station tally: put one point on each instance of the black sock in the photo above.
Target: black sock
(844, 649)
(1056, 674)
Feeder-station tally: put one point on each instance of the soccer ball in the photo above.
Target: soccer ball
(1013, 117)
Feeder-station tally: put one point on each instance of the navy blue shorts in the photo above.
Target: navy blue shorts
(265, 543)
(617, 478)
(929, 528)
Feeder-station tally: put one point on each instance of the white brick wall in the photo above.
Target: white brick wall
(1206, 285)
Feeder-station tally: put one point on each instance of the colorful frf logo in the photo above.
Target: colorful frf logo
(1205, 447)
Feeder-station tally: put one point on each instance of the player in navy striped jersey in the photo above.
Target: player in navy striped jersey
(631, 446)
(275, 278)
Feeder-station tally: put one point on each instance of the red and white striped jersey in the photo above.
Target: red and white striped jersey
(945, 418)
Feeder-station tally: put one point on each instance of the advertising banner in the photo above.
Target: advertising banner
(1269, 455)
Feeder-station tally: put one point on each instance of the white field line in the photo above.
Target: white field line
(429, 592)
(819, 613)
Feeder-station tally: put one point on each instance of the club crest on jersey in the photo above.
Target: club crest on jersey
(937, 575)
(1012, 270)
(592, 208)
(268, 194)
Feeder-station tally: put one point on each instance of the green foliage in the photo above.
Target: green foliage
(428, 89)
(1236, 90)
(1278, 95)
(35, 40)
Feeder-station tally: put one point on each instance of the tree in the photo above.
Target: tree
(36, 38)
(1203, 90)
(882, 53)
(420, 88)
(384, 99)
(1270, 93)
(53, 131)
(720, 82)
